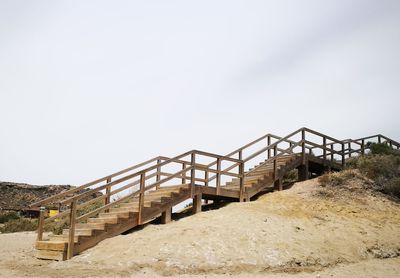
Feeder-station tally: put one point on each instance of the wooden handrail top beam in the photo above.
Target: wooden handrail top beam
(321, 135)
(321, 147)
(84, 186)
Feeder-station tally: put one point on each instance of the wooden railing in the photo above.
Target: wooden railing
(186, 168)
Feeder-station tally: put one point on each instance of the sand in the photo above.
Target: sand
(296, 232)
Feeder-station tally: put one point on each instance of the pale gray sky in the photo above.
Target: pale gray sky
(89, 87)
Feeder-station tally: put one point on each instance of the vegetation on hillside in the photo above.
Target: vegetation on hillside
(381, 167)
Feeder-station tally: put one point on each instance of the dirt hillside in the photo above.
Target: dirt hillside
(304, 231)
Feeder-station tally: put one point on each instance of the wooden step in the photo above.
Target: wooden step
(63, 238)
(118, 214)
(134, 209)
(113, 220)
(93, 226)
(51, 245)
(80, 232)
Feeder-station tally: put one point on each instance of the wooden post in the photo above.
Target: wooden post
(241, 182)
(40, 224)
(269, 150)
(324, 151)
(206, 178)
(192, 173)
(158, 177)
(391, 144)
(71, 232)
(343, 156)
(240, 155)
(278, 184)
(362, 147)
(275, 163)
(108, 192)
(379, 139)
(197, 203)
(349, 147)
(332, 154)
(218, 175)
(303, 146)
(303, 172)
(166, 216)
(141, 198)
(184, 174)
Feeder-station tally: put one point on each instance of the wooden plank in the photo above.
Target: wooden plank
(51, 245)
(166, 216)
(197, 203)
(71, 235)
(51, 255)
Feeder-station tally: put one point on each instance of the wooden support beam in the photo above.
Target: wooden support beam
(40, 224)
(141, 198)
(343, 156)
(166, 216)
(71, 232)
(303, 172)
(303, 146)
(197, 203)
(362, 147)
(278, 184)
(192, 173)
(218, 180)
(108, 194)
(158, 176)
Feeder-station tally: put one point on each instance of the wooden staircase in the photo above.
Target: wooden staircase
(153, 196)
(119, 219)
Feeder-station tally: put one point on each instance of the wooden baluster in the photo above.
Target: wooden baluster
(332, 154)
(108, 192)
(206, 178)
(218, 175)
(192, 173)
(349, 147)
(71, 232)
(275, 162)
(362, 147)
(324, 149)
(240, 154)
(241, 181)
(303, 146)
(41, 224)
(269, 150)
(141, 198)
(343, 155)
(158, 177)
(184, 174)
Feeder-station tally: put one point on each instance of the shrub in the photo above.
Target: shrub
(379, 148)
(19, 225)
(291, 176)
(337, 178)
(7, 216)
(375, 166)
(389, 186)
(57, 226)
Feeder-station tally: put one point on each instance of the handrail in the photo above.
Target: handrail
(153, 169)
(73, 190)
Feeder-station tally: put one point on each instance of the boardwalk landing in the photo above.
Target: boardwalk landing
(152, 188)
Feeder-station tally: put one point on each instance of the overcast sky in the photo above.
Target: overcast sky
(89, 87)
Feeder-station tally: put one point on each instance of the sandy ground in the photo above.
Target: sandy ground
(293, 233)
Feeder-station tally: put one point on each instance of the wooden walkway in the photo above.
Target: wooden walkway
(141, 193)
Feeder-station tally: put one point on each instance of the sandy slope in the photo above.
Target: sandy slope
(294, 231)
